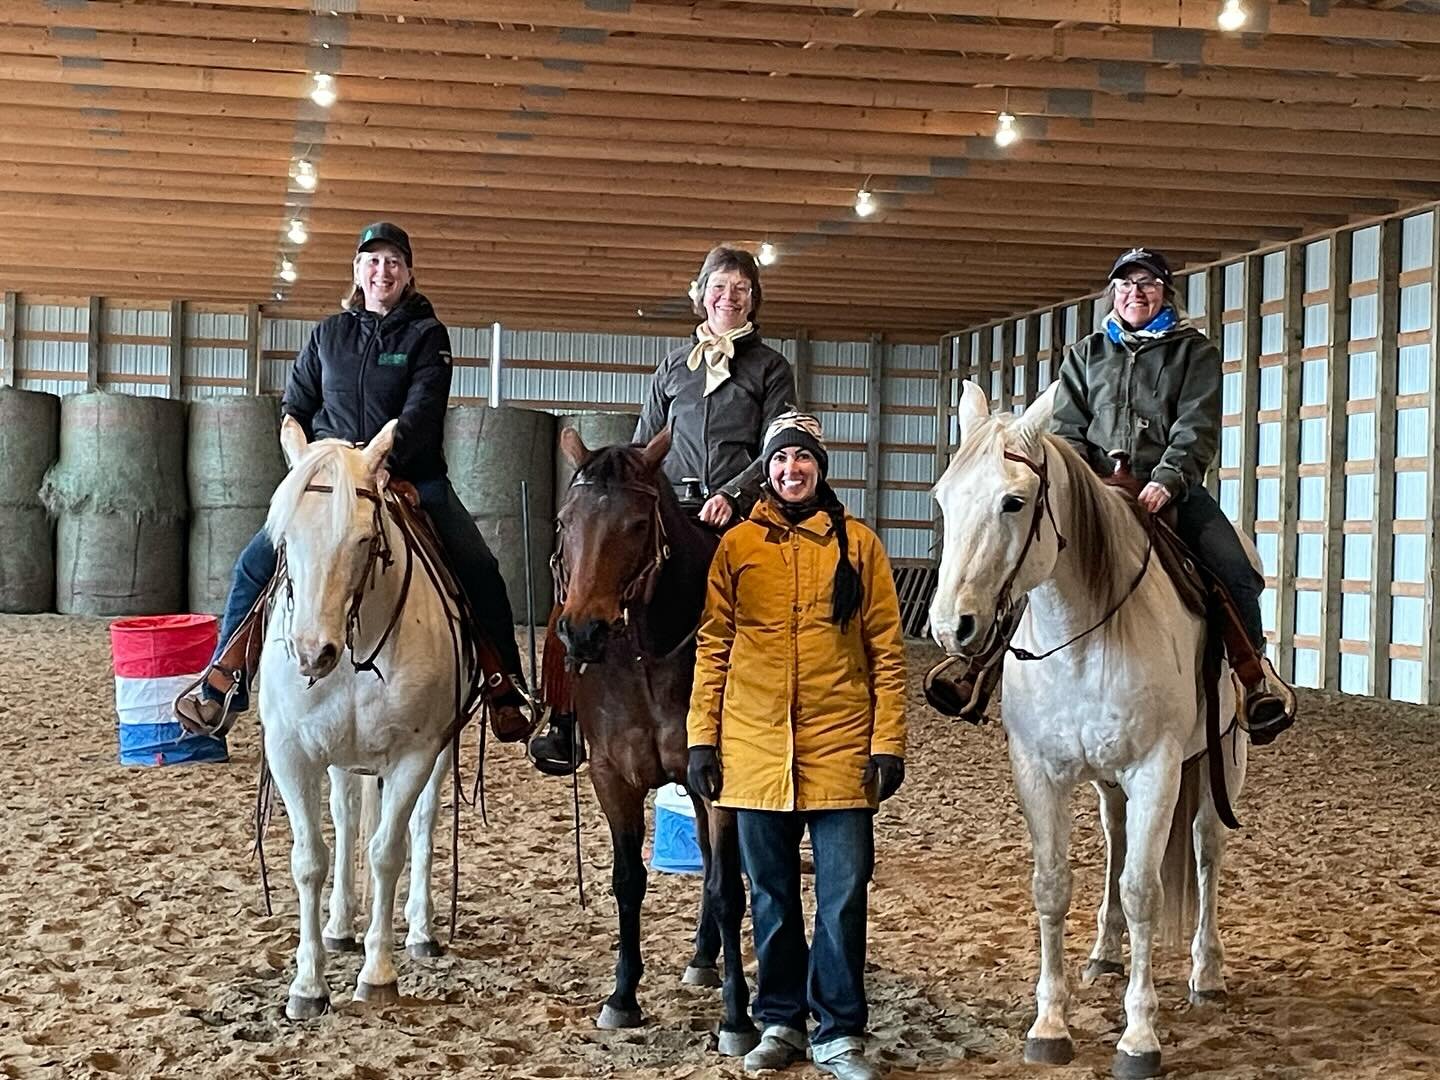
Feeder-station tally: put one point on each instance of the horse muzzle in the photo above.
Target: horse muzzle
(317, 659)
(584, 639)
(957, 640)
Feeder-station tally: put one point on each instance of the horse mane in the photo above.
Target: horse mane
(324, 462)
(618, 464)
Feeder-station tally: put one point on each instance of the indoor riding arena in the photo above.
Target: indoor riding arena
(934, 192)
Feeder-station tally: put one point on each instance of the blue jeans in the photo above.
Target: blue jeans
(827, 977)
(475, 567)
(1210, 535)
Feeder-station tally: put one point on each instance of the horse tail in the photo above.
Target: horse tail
(1180, 887)
(370, 795)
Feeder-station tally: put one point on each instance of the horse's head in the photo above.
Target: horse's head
(611, 539)
(999, 542)
(326, 515)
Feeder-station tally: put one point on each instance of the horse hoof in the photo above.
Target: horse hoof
(306, 1008)
(340, 944)
(1097, 969)
(738, 1043)
(1208, 997)
(701, 976)
(1049, 1051)
(1135, 1066)
(385, 994)
(424, 950)
(613, 1019)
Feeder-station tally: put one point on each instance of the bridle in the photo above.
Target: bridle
(642, 585)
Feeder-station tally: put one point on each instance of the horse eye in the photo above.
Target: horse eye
(1012, 504)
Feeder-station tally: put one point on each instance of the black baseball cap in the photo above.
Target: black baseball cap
(388, 233)
(1146, 258)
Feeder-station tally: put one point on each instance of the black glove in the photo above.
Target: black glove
(888, 769)
(702, 776)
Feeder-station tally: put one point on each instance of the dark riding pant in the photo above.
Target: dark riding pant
(1209, 534)
(475, 568)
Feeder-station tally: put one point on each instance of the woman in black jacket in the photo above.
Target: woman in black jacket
(384, 357)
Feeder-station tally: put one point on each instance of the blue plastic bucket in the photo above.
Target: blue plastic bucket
(676, 849)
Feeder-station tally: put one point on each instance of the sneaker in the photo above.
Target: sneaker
(555, 751)
(851, 1065)
(780, 1047)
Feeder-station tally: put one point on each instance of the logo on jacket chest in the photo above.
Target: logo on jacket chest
(393, 359)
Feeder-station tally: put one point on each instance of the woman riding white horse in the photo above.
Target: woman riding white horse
(1111, 695)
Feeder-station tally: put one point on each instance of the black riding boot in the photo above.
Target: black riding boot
(557, 751)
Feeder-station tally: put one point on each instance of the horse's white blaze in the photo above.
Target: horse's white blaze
(1120, 706)
(351, 720)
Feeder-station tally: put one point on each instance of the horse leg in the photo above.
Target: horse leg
(1107, 958)
(702, 971)
(299, 784)
(398, 793)
(1207, 953)
(725, 892)
(339, 935)
(420, 942)
(1047, 812)
(625, 809)
(1152, 794)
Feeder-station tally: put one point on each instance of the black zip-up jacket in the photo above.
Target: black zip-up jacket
(359, 371)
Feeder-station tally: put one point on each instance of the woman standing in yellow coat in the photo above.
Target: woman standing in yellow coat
(797, 719)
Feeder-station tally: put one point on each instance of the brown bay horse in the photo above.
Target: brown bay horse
(631, 568)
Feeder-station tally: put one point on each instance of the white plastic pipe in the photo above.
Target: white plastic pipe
(495, 365)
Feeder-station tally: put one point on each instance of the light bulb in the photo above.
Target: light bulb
(767, 254)
(305, 175)
(1232, 16)
(297, 233)
(323, 93)
(288, 273)
(1006, 133)
(865, 203)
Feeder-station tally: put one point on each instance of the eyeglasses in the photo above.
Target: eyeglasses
(1136, 284)
(736, 288)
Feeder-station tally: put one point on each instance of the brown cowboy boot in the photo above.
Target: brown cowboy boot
(1266, 704)
(964, 697)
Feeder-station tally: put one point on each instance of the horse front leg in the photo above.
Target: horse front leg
(299, 782)
(1047, 812)
(1151, 793)
(725, 892)
(399, 790)
(1107, 957)
(420, 941)
(624, 807)
(702, 969)
(339, 934)
(1207, 953)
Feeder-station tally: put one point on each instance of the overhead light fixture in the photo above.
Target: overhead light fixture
(640, 311)
(297, 233)
(288, 273)
(279, 295)
(1006, 132)
(304, 174)
(865, 203)
(767, 254)
(1232, 16)
(323, 92)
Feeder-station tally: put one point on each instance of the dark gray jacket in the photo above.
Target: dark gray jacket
(1159, 402)
(718, 438)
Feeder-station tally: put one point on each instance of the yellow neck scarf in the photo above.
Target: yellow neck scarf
(717, 350)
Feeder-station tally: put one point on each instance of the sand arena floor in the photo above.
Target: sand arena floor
(133, 943)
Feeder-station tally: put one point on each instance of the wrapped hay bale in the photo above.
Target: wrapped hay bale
(29, 442)
(595, 430)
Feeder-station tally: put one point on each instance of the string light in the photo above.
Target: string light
(865, 203)
(297, 233)
(1232, 16)
(288, 273)
(323, 93)
(304, 174)
(1006, 133)
(767, 254)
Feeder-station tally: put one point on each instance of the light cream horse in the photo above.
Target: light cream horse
(1117, 703)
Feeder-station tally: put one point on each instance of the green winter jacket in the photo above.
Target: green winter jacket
(1160, 403)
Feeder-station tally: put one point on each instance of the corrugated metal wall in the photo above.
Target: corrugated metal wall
(1329, 451)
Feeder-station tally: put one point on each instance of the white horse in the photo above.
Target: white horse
(1120, 706)
(321, 713)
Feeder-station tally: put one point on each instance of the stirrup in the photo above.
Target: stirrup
(553, 765)
(950, 697)
(1278, 690)
(193, 725)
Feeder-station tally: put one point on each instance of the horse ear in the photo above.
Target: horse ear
(292, 440)
(974, 408)
(656, 449)
(573, 447)
(378, 449)
(1035, 421)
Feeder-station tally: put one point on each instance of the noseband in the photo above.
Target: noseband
(642, 585)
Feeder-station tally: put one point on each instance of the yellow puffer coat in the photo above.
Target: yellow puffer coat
(795, 706)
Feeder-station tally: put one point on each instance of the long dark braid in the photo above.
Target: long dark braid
(846, 589)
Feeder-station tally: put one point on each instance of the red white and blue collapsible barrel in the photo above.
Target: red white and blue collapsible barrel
(676, 849)
(156, 657)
